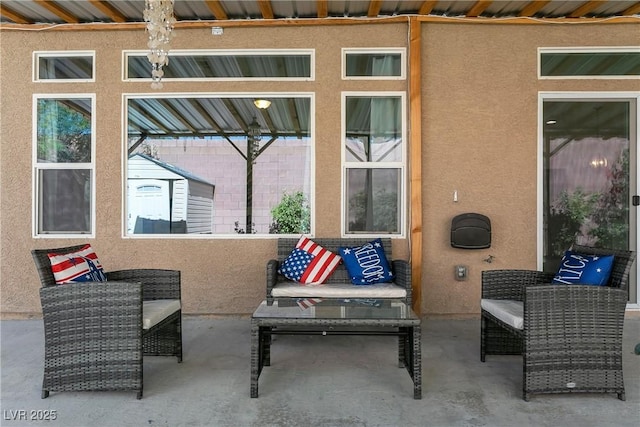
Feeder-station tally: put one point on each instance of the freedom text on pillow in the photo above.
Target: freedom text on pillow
(369, 260)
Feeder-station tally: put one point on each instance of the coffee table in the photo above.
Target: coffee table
(337, 317)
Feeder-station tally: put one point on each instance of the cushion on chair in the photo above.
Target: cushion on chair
(80, 266)
(367, 264)
(339, 290)
(309, 263)
(508, 311)
(155, 311)
(576, 268)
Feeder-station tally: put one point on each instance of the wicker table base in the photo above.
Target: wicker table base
(337, 319)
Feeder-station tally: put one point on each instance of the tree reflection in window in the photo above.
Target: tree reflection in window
(64, 165)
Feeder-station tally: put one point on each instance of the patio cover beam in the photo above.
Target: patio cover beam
(415, 159)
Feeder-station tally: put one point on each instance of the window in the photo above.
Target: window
(374, 163)
(216, 165)
(225, 65)
(582, 63)
(373, 64)
(64, 66)
(64, 159)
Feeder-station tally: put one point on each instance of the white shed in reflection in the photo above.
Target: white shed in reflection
(164, 199)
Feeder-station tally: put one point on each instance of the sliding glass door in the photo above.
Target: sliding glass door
(589, 175)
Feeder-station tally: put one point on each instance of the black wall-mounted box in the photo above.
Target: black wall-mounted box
(471, 231)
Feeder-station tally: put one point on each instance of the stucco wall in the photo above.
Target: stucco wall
(480, 124)
(479, 133)
(220, 276)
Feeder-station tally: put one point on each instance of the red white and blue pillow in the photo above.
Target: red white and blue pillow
(80, 266)
(367, 264)
(576, 268)
(309, 263)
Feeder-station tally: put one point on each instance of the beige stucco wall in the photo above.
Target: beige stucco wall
(479, 133)
(220, 276)
(480, 117)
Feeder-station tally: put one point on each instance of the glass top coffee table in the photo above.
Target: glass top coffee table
(337, 317)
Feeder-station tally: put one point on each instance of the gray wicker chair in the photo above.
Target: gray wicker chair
(571, 338)
(94, 334)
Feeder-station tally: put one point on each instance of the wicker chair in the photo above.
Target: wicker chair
(571, 335)
(97, 333)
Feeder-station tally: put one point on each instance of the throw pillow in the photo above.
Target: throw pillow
(576, 268)
(367, 264)
(80, 266)
(309, 263)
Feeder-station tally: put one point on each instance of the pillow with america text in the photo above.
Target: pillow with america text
(309, 263)
(80, 266)
(367, 264)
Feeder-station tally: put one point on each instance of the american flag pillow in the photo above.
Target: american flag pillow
(309, 263)
(80, 266)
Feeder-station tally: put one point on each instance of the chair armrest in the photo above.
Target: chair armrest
(156, 283)
(402, 271)
(576, 312)
(510, 284)
(272, 275)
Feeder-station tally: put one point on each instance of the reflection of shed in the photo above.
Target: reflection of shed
(162, 198)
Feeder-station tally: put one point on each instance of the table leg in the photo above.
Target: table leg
(416, 356)
(402, 348)
(266, 345)
(256, 356)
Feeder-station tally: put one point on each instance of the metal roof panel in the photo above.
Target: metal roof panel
(85, 11)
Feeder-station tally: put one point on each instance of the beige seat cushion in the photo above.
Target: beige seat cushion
(509, 311)
(154, 312)
(338, 290)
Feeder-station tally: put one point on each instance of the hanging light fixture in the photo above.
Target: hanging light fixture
(158, 15)
(262, 104)
(599, 161)
(254, 135)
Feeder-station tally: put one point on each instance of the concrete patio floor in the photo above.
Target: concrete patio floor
(312, 381)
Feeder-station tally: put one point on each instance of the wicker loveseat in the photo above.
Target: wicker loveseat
(96, 333)
(338, 285)
(570, 336)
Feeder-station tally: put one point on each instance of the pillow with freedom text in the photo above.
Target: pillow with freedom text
(367, 264)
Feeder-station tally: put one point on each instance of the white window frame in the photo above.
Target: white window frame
(403, 62)
(63, 54)
(230, 236)
(36, 167)
(634, 133)
(222, 52)
(613, 49)
(402, 165)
